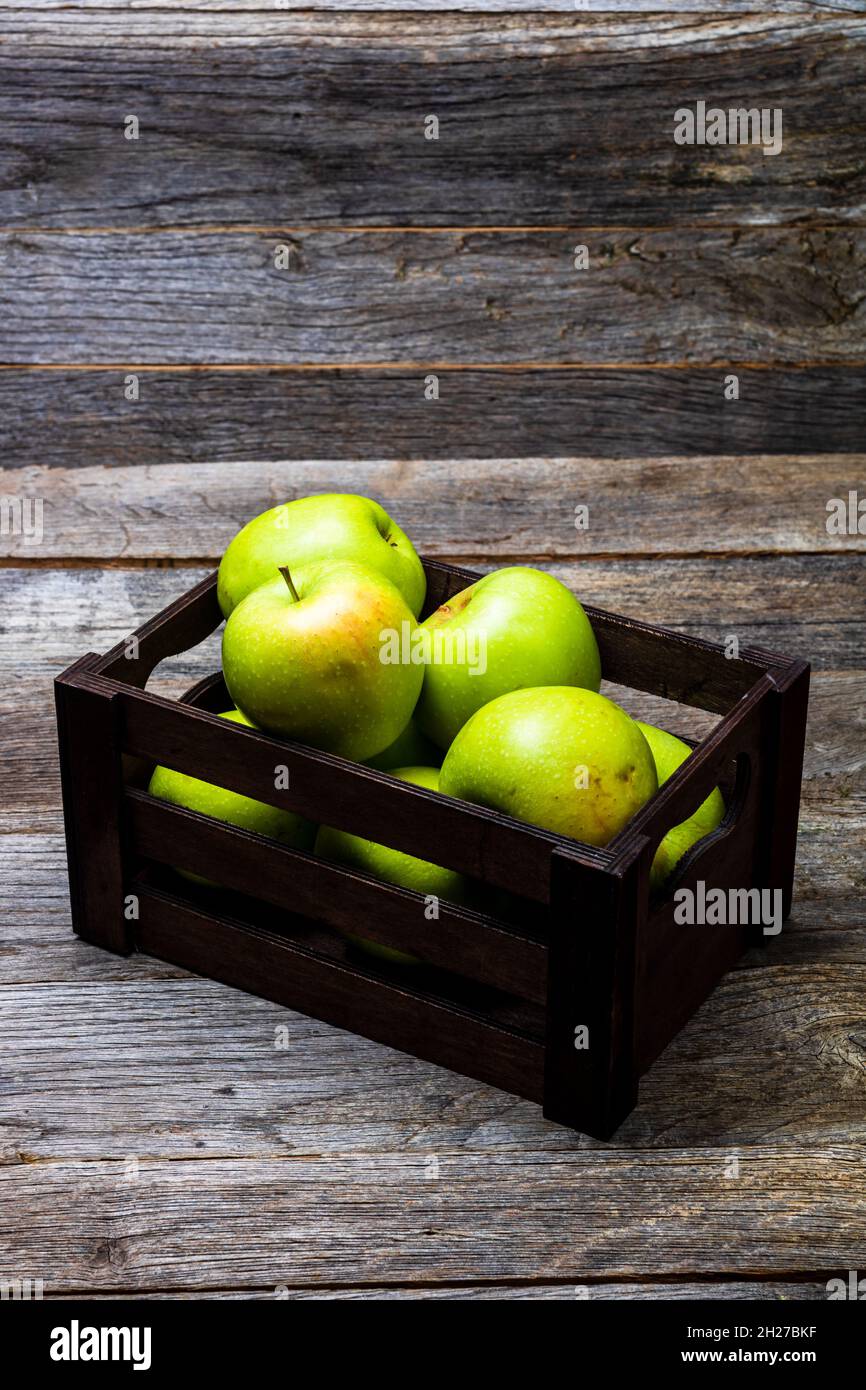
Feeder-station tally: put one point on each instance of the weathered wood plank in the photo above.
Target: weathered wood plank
(767, 1291)
(762, 294)
(379, 1217)
(830, 898)
(470, 509)
(36, 939)
(72, 417)
(293, 118)
(74, 611)
(37, 945)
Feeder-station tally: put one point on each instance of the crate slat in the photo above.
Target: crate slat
(675, 665)
(459, 940)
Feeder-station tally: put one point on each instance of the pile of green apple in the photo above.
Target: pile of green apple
(493, 699)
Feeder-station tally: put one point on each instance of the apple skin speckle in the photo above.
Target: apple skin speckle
(518, 755)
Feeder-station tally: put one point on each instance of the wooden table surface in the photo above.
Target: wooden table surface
(153, 1139)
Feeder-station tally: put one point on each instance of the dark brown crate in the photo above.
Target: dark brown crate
(499, 999)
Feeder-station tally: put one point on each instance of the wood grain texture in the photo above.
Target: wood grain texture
(305, 117)
(479, 510)
(763, 295)
(829, 903)
(95, 609)
(775, 1056)
(78, 610)
(496, 1215)
(75, 418)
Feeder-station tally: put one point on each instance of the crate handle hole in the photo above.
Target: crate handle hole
(734, 809)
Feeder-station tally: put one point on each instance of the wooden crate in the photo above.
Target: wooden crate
(498, 998)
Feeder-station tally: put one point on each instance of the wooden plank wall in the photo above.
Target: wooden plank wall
(406, 257)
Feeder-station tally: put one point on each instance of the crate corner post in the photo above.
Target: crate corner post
(590, 1071)
(788, 705)
(91, 780)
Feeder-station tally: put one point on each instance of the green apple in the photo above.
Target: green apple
(516, 628)
(231, 807)
(563, 758)
(669, 752)
(328, 526)
(392, 865)
(409, 749)
(306, 656)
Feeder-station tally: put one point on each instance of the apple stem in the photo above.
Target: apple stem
(284, 571)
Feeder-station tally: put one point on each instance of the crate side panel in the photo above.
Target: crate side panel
(679, 964)
(673, 665)
(462, 942)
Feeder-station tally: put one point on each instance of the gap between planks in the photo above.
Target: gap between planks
(421, 366)
(146, 562)
(454, 229)
(551, 1281)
